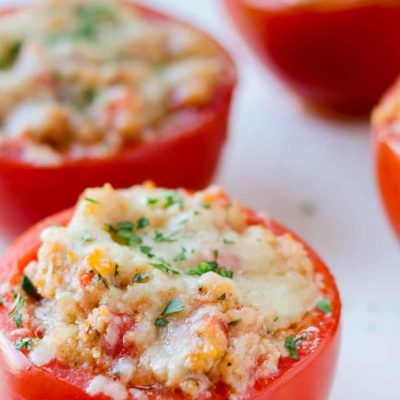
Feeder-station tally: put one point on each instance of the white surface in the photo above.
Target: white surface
(316, 177)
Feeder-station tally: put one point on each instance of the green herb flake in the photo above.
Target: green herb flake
(103, 280)
(1, 301)
(90, 200)
(14, 312)
(161, 322)
(152, 201)
(116, 270)
(142, 223)
(161, 238)
(164, 266)
(324, 305)
(203, 268)
(25, 343)
(86, 238)
(173, 307)
(228, 242)
(181, 256)
(141, 278)
(292, 345)
(29, 288)
(172, 199)
(147, 250)
(226, 273)
(8, 59)
(206, 206)
(235, 322)
(122, 232)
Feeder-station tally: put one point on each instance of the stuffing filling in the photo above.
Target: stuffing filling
(152, 288)
(81, 78)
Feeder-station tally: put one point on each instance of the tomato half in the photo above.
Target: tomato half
(386, 135)
(309, 378)
(337, 55)
(185, 156)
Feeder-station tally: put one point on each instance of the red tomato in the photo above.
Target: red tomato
(338, 55)
(187, 155)
(386, 134)
(309, 378)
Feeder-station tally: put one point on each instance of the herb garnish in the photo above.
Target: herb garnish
(210, 266)
(160, 237)
(102, 279)
(147, 250)
(292, 346)
(90, 200)
(222, 297)
(25, 343)
(141, 278)
(173, 307)
(1, 301)
(86, 238)
(228, 242)
(15, 309)
(164, 266)
(235, 322)
(142, 222)
(116, 270)
(181, 256)
(122, 232)
(29, 288)
(11, 55)
(324, 305)
(161, 322)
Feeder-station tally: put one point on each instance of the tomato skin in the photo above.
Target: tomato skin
(386, 146)
(184, 157)
(338, 58)
(307, 379)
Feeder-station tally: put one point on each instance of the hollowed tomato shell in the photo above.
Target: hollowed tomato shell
(186, 156)
(386, 146)
(310, 378)
(339, 56)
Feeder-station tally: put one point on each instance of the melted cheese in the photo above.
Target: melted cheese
(82, 77)
(125, 295)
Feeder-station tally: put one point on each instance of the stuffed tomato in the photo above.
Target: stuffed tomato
(386, 137)
(104, 91)
(149, 293)
(338, 55)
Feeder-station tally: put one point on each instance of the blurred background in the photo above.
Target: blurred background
(315, 175)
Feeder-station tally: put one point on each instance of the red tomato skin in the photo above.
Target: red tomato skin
(185, 157)
(340, 59)
(386, 148)
(307, 379)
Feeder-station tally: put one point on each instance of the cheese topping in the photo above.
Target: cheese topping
(81, 78)
(149, 288)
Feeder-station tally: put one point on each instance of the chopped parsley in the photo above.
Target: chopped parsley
(90, 200)
(123, 232)
(203, 268)
(161, 322)
(206, 206)
(164, 266)
(147, 250)
(142, 222)
(228, 242)
(102, 279)
(210, 266)
(292, 345)
(141, 278)
(29, 288)
(324, 305)
(226, 273)
(1, 301)
(8, 59)
(86, 238)
(152, 201)
(222, 297)
(235, 322)
(173, 307)
(161, 238)
(181, 256)
(15, 310)
(172, 199)
(116, 270)
(25, 343)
